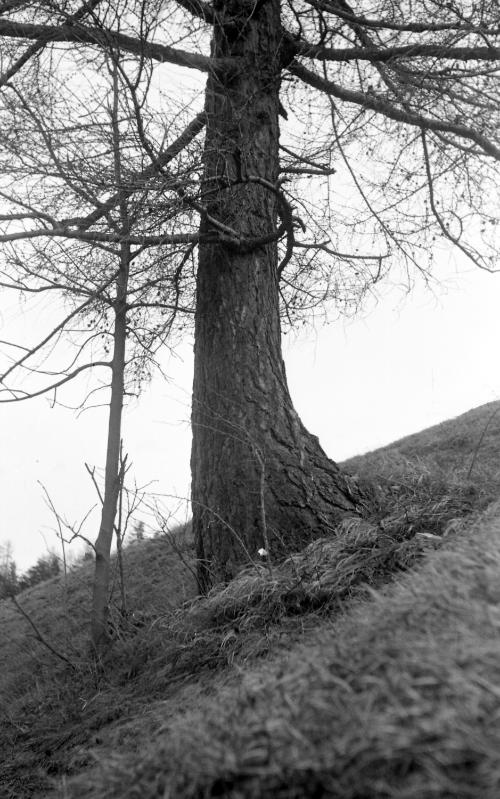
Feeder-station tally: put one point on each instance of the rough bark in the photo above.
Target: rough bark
(257, 474)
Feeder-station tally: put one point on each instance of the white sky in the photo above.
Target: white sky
(408, 362)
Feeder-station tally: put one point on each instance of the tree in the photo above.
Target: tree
(391, 141)
(110, 277)
(47, 566)
(8, 571)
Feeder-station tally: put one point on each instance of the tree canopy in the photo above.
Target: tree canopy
(392, 107)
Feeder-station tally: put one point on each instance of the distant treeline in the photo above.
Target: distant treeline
(11, 583)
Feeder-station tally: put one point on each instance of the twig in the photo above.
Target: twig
(39, 635)
(61, 521)
(162, 523)
(91, 472)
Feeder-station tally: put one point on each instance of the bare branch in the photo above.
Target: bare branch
(58, 327)
(381, 106)
(139, 181)
(40, 637)
(384, 54)
(35, 48)
(96, 236)
(106, 38)
(343, 11)
(91, 472)
(439, 219)
(30, 395)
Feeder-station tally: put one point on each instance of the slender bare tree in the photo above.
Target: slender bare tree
(124, 302)
(339, 138)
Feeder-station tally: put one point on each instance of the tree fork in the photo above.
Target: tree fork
(249, 445)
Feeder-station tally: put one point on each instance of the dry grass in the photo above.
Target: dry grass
(247, 617)
(156, 580)
(466, 447)
(296, 681)
(45, 707)
(399, 698)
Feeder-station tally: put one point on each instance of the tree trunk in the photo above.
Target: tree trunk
(112, 483)
(112, 477)
(258, 476)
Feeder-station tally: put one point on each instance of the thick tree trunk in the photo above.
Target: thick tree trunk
(257, 474)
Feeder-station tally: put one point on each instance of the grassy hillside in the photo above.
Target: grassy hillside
(468, 445)
(366, 666)
(397, 697)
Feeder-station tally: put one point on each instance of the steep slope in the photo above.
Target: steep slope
(180, 706)
(35, 685)
(398, 697)
(468, 445)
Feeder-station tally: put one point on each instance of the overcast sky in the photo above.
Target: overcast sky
(406, 363)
